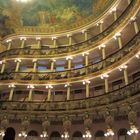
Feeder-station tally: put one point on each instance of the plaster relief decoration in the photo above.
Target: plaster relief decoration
(50, 14)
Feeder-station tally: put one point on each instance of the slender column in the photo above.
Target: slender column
(85, 32)
(129, 1)
(86, 58)
(134, 22)
(12, 87)
(54, 42)
(69, 59)
(124, 69)
(68, 91)
(86, 83)
(38, 42)
(114, 11)
(70, 38)
(3, 66)
(105, 77)
(100, 24)
(35, 65)
(23, 39)
(117, 37)
(18, 61)
(30, 96)
(9, 44)
(52, 64)
(102, 47)
(49, 87)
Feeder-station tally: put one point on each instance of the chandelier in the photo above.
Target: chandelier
(65, 135)
(44, 134)
(133, 130)
(22, 134)
(23, 1)
(87, 134)
(2, 133)
(109, 133)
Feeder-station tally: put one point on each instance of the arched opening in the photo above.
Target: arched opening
(77, 135)
(32, 135)
(55, 135)
(122, 134)
(99, 135)
(9, 134)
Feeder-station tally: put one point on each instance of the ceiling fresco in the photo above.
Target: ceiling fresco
(48, 13)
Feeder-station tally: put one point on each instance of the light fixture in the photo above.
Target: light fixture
(69, 58)
(102, 46)
(65, 135)
(87, 134)
(22, 134)
(109, 133)
(11, 86)
(138, 55)
(9, 40)
(30, 87)
(85, 53)
(22, 38)
(38, 38)
(113, 10)
(44, 134)
(117, 35)
(2, 133)
(103, 76)
(133, 130)
(17, 60)
(123, 67)
(132, 18)
(100, 22)
(66, 85)
(49, 86)
(86, 82)
(54, 37)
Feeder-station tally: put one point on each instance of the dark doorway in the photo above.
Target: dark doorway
(9, 134)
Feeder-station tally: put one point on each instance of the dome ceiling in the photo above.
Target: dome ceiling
(51, 14)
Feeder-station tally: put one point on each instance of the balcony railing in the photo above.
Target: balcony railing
(111, 59)
(117, 96)
(71, 48)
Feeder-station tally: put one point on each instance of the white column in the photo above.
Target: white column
(68, 91)
(134, 22)
(3, 66)
(52, 64)
(69, 39)
(114, 12)
(117, 37)
(124, 69)
(23, 39)
(86, 58)
(12, 87)
(100, 24)
(85, 33)
(38, 42)
(86, 83)
(35, 65)
(49, 87)
(9, 44)
(102, 47)
(105, 77)
(30, 95)
(18, 61)
(54, 42)
(69, 59)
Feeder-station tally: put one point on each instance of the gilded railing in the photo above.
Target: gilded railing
(73, 73)
(125, 93)
(88, 44)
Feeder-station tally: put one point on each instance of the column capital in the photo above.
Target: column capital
(9, 40)
(133, 19)
(117, 35)
(69, 35)
(113, 10)
(49, 87)
(35, 60)
(30, 86)
(38, 38)
(69, 58)
(11, 86)
(84, 31)
(68, 85)
(17, 60)
(104, 76)
(23, 38)
(86, 82)
(3, 62)
(123, 67)
(100, 22)
(102, 46)
(85, 53)
(52, 60)
(54, 38)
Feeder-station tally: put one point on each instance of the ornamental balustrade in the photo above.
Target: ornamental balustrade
(84, 71)
(129, 93)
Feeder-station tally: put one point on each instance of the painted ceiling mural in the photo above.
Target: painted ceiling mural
(48, 13)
